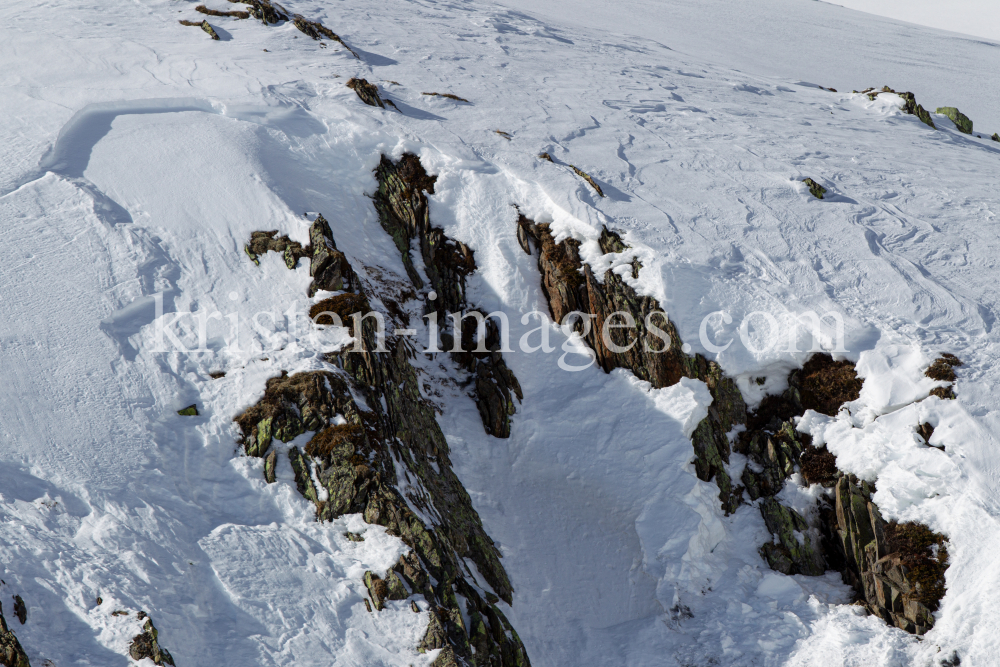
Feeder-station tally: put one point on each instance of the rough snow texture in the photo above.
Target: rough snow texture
(139, 155)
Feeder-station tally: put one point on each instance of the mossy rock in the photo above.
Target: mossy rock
(962, 122)
(189, 411)
(815, 189)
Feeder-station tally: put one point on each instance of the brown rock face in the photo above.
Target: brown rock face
(651, 348)
(354, 455)
(11, 653)
(401, 203)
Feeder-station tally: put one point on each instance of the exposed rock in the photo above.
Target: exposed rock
(214, 12)
(355, 459)
(505, 135)
(204, 25)
(819, 466)
(651, 349)
(20, 610)
(270, 467)
(354, 537)
(815, 189)
(264, 242)
(11, 653)
(449, 96)
(797, 550)
(317, 30)
(339, 309)
(545, 156)
(264, 11)
(146, 645)
(585, 176)
(328, 266)
(189, 411)
(368, 92)
(961, 121)
(896, 569)
(401, 203)
(995, 137)
(943, 370)
(910, 105)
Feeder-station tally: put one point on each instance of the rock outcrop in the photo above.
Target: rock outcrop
(401, 203)
(910, 105)
(146, 645)
(368, 92)
(651, 349)
(900, 579)
(317, 30)
(263, 11)
(11, 653)
(815, 189)
(357, 453)
(961, 121)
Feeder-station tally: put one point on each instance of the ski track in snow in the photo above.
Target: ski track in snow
(139, 157)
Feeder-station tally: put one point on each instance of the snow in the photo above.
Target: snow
(139, 156)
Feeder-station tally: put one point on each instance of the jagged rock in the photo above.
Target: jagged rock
(264, 11)
(798, 550)
(897, 569)
(11, 653)
(961, 121)
(328, 266)
(270, 466)
(20, 610)
(401, 202)
(651, 349)
(380, 590)
(264, 242)
(189, 411)
(773, 458)
(815, 189)
(146, 645)
(911, 107)
(585, 176)
(355, 460)
(317, 30)
(995, 137)
(354, 537)
(214, 12)
(368, 92)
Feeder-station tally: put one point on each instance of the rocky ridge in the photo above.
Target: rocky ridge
(361, 453)
(897, 571)
(11, 653)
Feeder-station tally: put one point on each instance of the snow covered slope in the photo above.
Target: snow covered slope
(139, 155)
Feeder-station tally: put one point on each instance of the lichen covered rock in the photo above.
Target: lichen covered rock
(651, 349)
(263, 11)
(354, 456)
(146, 645)
(11, 653)
(401, 203)
(368, 92)
(815, 189)
(961, 121)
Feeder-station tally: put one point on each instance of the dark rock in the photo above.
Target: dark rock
(339, 310)
(368, 92)
(815, 189)
(401, 202)
(354, 537)
(944, 393)
(189, 411)
(270, 465)
(925, 431)
(651, 350)
(356, 462)
(146, 645)
(896, 569)
(328, 266)
(797, 549)
(317, 30)
(11, 653)
(943, 368)
(961, 121)
(995, 137)
(264, 242)
(585, 176)
(824, 385)
(545, 156)
(20, 611)
(263, 11)
(819, 466)
(214, 12)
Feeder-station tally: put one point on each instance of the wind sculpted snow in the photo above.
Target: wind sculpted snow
(122, 218)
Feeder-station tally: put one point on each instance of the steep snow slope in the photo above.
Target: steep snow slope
(140, 155)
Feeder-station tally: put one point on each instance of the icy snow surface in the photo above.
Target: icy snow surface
(139, 155)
